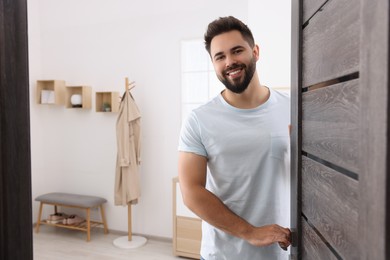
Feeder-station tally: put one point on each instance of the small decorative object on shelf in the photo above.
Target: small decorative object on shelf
(47, 97)
(76, 100)
(106, 107)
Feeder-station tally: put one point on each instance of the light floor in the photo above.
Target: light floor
(53, 243)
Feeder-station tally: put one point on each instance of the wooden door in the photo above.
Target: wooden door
(340, 91)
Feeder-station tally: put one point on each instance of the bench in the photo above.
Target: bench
(73, 201)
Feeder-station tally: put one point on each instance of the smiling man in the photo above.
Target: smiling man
(241, 136)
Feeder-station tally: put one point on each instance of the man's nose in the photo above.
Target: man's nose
(230, 61)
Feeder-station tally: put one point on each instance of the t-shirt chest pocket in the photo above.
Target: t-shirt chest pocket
(279, 144)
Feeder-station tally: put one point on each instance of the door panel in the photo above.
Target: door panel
(331, 42)
(311, 7)
(330, 127)
(330, 124)
(330, 202)
(313, 245)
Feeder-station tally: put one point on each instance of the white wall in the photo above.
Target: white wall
(270, 22)
(98, 43)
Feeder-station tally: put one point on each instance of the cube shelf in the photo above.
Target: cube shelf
(107, 102)
(86, 96)
(50, 92)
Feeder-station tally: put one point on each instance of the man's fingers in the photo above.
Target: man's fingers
(285, 238)
(284, 243)
(287, 232)
(283, 246)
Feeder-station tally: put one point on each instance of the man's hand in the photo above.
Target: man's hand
(267, 235)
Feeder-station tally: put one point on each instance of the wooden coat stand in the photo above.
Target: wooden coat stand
(129, 241)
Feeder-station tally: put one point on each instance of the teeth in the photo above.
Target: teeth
(234, 72)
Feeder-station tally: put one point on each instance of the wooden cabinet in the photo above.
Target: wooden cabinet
(107, 101)
(187, 230)
(84, 91)
(51, 92)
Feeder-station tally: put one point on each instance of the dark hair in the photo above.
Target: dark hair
(227, 24)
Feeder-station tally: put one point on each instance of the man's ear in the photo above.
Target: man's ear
(256, 52)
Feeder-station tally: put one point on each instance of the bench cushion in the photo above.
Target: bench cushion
(69, 199)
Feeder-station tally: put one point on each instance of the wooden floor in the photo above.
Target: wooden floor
(53, 243)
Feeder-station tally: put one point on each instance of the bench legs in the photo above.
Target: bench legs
(88, 224)
(39, 217)
(104, 219)
(88, 220)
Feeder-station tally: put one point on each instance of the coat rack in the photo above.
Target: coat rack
(129, 86)
(129, 241)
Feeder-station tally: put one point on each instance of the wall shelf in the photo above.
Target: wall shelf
(51, 92)
(86, 96)
(111, 99)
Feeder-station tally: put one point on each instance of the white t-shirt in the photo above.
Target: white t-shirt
(248, 169)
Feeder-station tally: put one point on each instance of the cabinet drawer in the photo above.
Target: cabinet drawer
(189, 234)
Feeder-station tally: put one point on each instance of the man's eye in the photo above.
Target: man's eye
(237, 51)
(219, 58)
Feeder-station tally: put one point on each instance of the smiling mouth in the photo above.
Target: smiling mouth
(234, 72)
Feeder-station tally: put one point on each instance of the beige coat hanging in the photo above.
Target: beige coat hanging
(128, 130)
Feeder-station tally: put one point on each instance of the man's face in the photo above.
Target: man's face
(234, 60)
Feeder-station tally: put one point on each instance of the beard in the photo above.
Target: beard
(238, 86)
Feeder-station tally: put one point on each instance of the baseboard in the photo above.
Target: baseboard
(124, 233)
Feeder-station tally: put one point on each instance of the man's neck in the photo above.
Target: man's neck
(254, 96)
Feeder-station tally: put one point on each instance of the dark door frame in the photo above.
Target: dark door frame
(296, 128)
(15, 159)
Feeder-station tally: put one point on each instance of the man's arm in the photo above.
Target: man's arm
(192, 178)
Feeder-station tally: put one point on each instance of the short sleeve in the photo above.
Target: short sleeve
(190, 136)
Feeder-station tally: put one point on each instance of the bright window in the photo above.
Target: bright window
(199, 82)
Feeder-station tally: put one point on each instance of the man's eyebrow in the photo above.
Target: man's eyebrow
(236, 47)
(218, 54)
(232, 49)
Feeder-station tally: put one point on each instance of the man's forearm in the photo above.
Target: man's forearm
(212, 210)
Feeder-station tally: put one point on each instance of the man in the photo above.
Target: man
(242, 136)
